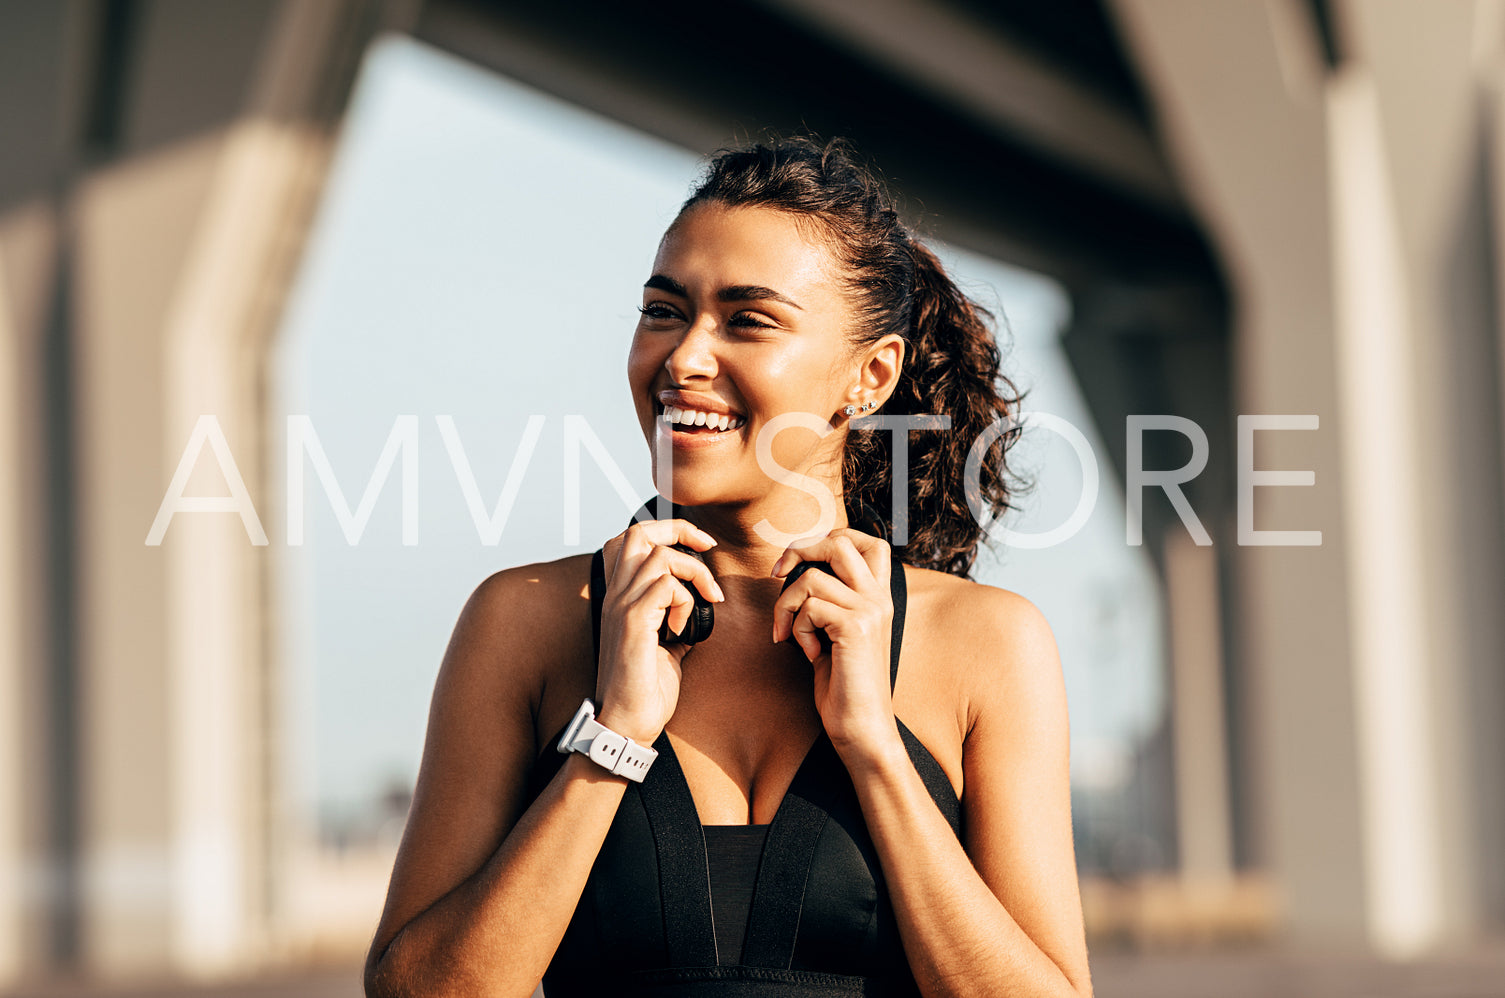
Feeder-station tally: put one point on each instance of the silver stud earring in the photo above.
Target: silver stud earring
(870, 404)
(850, 410)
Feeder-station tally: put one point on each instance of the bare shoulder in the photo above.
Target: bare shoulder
(993, 644)
(562, 584)
(522, 626)
(964, 614)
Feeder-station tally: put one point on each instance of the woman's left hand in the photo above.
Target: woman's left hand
(855, 610)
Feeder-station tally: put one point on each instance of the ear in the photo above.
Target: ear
(879, 365)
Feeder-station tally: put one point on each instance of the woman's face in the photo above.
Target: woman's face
(743, 317)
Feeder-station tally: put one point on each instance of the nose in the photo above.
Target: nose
(695, 354)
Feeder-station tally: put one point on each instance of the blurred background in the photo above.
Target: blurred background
(365, 273)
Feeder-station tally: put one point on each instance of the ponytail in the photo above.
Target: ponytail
(952, 369)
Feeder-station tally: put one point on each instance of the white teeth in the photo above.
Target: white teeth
(719, 421)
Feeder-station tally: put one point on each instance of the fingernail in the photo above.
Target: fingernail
(720, 596)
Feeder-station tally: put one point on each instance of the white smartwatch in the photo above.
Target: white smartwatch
(617, 754)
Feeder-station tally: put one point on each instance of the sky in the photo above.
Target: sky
(475, 266)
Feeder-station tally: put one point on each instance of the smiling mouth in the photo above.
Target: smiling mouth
(693, 421)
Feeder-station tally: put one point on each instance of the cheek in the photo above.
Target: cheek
(800, 447)
(641, 364)
(796, 382)
(796, 449)
(803, 379)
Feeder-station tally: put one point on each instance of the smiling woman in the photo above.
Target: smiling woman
(858, 783)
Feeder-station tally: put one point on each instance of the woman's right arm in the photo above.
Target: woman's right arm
(483, 890)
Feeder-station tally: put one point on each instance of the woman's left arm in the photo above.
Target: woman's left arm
(1000, 913)
(1005, 914)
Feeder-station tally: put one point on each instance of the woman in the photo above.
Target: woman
(825, 815)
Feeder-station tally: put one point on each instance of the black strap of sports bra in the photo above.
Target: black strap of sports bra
(899, 588)
(779, 895)
(598, 596)
(684, 879)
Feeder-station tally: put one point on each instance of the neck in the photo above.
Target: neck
(743, 558)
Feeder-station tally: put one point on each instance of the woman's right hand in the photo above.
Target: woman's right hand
(637, 682)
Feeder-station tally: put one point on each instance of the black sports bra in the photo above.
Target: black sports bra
(819, 921)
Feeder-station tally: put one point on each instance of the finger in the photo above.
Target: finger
(813, 584)
(806, 630)
(667, 533)
(639, 540)
(876, 551)
(849, 565)
(641, 537)
(679, 608)
(666, 593)
(671, 561)
(840, 551)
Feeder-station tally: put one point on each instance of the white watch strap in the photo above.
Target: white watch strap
(617, 754)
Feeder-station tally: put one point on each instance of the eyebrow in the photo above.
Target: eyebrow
(731, 293)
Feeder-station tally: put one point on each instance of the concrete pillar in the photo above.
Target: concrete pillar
(148, 230)
(39, 100)
(1204, 832)
(31, 889)
(1424, 74)
(1249, 146)
(1348, 202)
(181, 696)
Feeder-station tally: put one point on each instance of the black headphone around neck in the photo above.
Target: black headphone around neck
(703, 615)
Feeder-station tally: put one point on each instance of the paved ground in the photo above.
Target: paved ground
(1256, 974)
(1247, 974)
(322, 984)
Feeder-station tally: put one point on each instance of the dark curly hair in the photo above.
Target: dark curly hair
(952, 364)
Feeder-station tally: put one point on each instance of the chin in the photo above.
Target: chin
(697, 493)
(703, 488)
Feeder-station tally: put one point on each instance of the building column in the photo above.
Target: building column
(184, 243)
(38, 798)
(1343, 185)
(1204, 833)
(1408, 112)
(34, 909)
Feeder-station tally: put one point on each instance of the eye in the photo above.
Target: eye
(748, 319)
(657, 310)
